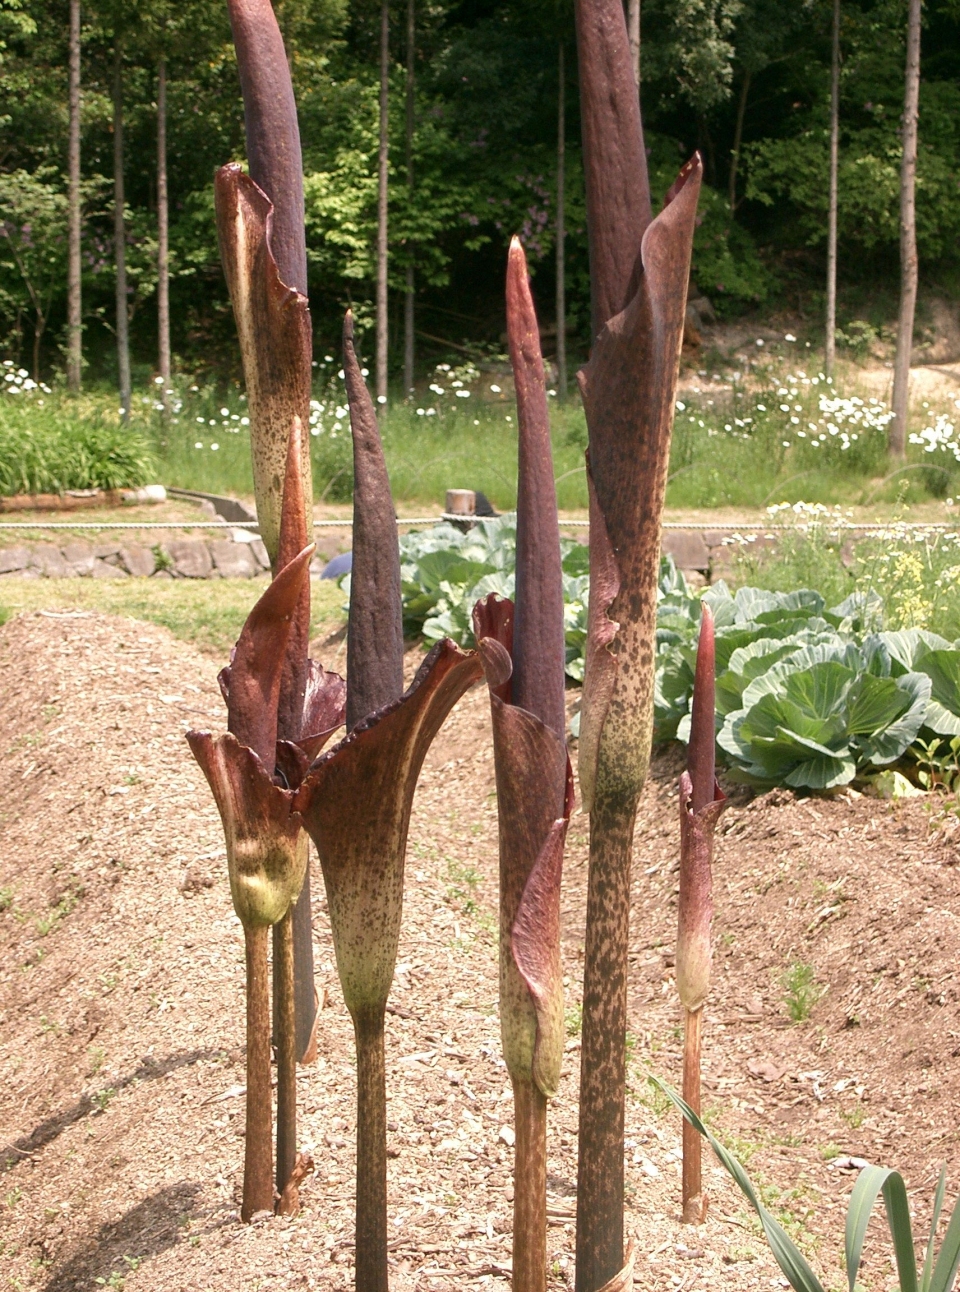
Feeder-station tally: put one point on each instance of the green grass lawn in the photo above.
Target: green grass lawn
(743, 438)
(207, 612)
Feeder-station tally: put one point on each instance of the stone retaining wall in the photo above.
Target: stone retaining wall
(696, 552)
(175, 558)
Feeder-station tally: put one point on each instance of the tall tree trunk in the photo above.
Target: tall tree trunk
(633, 34)
(39, 324)
(830, 341)
(120, 235)
(561, 227)
(409, 349)
(382, 326)
(897, 442)
(737, 142)
(74, 303)
(163, 240)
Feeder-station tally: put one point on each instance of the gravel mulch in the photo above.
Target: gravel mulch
(121, 1008)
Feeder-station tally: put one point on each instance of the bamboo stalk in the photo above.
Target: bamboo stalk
(603, 1052)
(694, 1202)
(286, 1039)
(371, 1269)
(258, 1153)
(529, 1188)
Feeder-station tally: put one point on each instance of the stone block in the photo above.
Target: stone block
(51, 563)
(14, 558)
(104, 570)
(190, 558)
(233, 560)
(260, 552)
(687, 548)
(138, 559)
(715, 537)
(80, 555)
(103, 551)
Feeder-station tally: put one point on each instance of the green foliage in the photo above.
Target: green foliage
(796, 170)
(445, 571)
(806, 696)
(939, 1269)
(48, 452)
(698, 47)
(726, 264)
(939, 763)
(33, 245)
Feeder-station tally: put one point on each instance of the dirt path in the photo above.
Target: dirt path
(121, 1008)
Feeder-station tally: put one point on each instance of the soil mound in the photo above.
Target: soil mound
(121, 978)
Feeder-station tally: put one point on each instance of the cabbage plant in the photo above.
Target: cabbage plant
(820, 715)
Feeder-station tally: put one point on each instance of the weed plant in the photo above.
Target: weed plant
(801, 991)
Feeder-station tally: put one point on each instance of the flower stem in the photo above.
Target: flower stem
(529, 1188)
(694, 1203)
(603, 1052)
(258, 1155)
(371, 1240)
(304, 991)
(286, 1039)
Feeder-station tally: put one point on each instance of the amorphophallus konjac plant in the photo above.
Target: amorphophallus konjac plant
(701, 802)
(521, 644)
(253, 776)
(260, 225)
(639, 270)
(356, 799)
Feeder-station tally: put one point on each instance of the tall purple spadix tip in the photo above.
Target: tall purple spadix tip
(273, 137)
(701, 752)
(538, 642)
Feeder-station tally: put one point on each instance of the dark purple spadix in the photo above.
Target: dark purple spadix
(375, 627)
(538, 643)
(273, 136)
(614, 157)
(701, 752)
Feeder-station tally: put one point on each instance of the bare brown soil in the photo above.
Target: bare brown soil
(121, 1009)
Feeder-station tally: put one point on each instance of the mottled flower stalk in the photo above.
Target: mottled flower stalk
(253, 772)
(521, 644)
(356, 800)
(261, 836)
(701, 802)
(260, 221)
(639, 268)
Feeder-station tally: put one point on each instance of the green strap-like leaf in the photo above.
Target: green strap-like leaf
(937, 1208)
(898, 1218)
(865, 1193)
(945, 1269)
(871, 1181)
(799, 1274)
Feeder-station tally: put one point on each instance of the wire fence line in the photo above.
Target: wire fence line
(227, 525)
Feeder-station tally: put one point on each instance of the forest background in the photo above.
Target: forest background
(745, 81)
